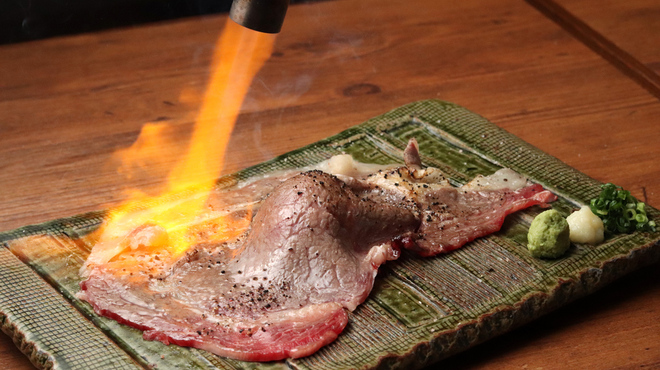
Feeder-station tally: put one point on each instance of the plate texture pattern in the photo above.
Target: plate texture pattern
(421, 309)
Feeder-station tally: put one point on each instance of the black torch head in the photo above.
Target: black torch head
(259, 15)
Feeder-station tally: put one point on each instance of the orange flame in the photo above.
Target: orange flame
(238, 56)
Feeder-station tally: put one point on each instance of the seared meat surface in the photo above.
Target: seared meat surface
(281, 289)
(313, 250)
(321, 240)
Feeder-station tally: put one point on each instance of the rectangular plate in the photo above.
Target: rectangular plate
(421, 309)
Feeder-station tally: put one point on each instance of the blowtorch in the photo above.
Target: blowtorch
(259, 15)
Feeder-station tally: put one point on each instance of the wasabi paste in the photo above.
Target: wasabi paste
(549, 235)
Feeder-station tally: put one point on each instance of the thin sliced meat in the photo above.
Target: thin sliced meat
(452, 217)
(162, 317)
(314, 250)
(282, 289)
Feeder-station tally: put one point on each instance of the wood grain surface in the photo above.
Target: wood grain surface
(67, 104)
(609, 50)
(634, 26)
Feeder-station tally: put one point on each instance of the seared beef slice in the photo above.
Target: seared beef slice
(313, 250)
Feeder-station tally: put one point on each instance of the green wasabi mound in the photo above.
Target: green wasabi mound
(549, 235)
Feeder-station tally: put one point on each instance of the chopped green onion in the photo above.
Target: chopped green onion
(640, 218)
(620, 211)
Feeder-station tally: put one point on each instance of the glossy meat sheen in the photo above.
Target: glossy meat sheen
(449, 216)
(452, 217)
(314, 249)
(322, 239)
(282, 289)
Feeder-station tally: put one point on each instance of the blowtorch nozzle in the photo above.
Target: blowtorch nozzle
(259, 15)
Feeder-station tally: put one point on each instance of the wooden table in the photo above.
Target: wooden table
(578, 79)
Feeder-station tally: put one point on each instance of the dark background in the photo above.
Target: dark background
(24, 20)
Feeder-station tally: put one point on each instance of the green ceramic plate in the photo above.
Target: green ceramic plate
(421, 309)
